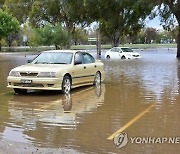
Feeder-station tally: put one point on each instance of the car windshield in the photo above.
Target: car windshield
(126, 49)
(54, 58)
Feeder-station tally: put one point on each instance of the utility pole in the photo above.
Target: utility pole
(98, 44)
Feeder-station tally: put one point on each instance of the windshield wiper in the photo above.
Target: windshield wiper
(58, 63)
(41, 62)
(38, 62)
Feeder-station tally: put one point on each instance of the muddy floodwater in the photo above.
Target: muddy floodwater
(139, 97)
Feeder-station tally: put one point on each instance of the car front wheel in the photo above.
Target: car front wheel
(107, 57)
(66, 85)
(20, 91)
(123, 57)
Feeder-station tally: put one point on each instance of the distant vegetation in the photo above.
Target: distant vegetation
(64, 23)
(8, 25)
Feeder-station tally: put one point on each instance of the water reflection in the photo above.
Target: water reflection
(32, 113)
(84, 119)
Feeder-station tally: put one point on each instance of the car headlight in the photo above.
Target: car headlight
(47, 74)
(14, 73)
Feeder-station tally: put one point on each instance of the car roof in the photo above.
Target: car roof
(122, 47)
(73, 51)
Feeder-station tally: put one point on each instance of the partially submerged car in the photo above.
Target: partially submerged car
(57, 70)
(121, 53)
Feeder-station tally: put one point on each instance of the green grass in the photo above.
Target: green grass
(144, 46)
(26, 49)
(139, 46)
(86, 47)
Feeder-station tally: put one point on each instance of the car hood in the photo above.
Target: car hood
(133, 53)
(40, 67)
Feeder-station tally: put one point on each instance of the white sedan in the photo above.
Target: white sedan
(57, 70)
(121, 53)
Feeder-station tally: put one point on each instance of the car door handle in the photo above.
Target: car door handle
(95, 66)
(84, 67)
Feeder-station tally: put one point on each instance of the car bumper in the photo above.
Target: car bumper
(137, 57)
(133, 57)
(36, 83)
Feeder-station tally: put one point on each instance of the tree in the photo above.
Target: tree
(19, 8)
(169, 12)
(53, 35)
(60, 37)
(44, 35)
(3, 42)
(14, 43)
(174, 33)
(79, 36)
(12, 37)
(151, 34)
(118, 18)
(1, 3)
(141, 37)
(57, 11)
(8, 24)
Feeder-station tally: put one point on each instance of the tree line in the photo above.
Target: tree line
(116, 19)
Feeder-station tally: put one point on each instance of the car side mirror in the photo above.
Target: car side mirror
(77, 62)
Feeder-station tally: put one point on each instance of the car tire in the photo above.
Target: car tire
(123, 57)
(20, 91)
(66, 85)
(107, 57)
(97, 79)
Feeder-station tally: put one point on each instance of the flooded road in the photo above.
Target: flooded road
(139, 97)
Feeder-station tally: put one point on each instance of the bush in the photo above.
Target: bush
(14, 43)
(3, 42)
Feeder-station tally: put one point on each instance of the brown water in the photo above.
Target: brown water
(85, 119)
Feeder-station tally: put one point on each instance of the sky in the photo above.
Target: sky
(155, 23)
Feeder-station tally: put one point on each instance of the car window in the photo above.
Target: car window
(54, 58)
(88, 58)
(127, 50)
(118, 50)
(79, 58)
(113, 50)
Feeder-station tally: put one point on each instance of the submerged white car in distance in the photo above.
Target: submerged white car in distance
(57, 70)
(121, 53)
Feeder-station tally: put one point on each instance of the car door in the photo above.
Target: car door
(119, 51)
(90, 66)
(79, 70)
(114, 53)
